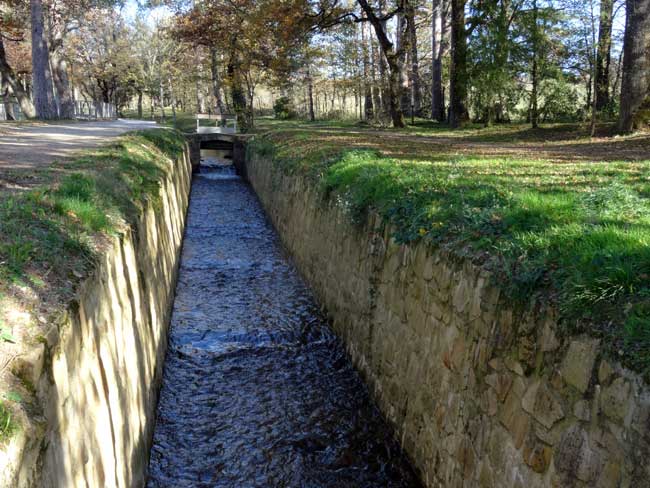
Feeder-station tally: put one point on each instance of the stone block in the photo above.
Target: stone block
(485, 476)
(29, 366)
(542, 405)
(610, 476)
(605, 372)
(641, 417)
(579, 362)
(466, 457)
(513, 417)
(514, 366)
(549, 341)
(501, 383)
(462, 295)
(537, 456)
(550, 436)
(526, 352)
(576, 458)
(582, 410)
(495, 364)
(615, 399)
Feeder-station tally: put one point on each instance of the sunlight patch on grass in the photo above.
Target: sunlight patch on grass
(576, 233)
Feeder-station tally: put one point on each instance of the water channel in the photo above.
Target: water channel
(257, 390)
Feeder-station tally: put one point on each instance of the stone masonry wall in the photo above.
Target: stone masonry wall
(98, 374)
(480, 394)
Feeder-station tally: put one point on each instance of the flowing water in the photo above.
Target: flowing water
(257, 390)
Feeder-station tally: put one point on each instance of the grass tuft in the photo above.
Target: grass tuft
(8, 425)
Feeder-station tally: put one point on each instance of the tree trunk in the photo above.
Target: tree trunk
(376, 93)
(534, 110)
(367, 85)
(401, 47)
(437, 101)
(310, 96)
(4, 87)
(438, 90)
(41, 76)
(26, 105)
(162, 99)
(62, 85)
(395, 91)
(216, 81)
(199, 99)
(238, 96)
(619, 73)
(172, 97)
(458, 81)
(140, 104)
(603, 57)
(395, 67)
(414, 72)
(635, 87)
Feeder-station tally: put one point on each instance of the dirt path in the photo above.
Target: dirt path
(24, 147)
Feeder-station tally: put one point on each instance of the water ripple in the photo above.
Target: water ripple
(257, 390)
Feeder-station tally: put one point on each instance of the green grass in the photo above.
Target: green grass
(574, 233)
(8, 425)
(51, 230)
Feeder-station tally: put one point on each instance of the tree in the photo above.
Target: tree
(458, 80)
(414, 69)
(64, 17)
(393, 57)
(41, 75)
(635, 88)
(369, 109)
(13, 19)
(439, 47)
(310, 95)
(603, 59)
(495, 64)
(103, 50)
(251, 36)
(11, 83)
(216, 80)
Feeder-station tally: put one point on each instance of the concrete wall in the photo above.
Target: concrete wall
(98, 373)
(480, 394)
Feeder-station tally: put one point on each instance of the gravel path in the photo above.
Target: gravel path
(26, 146)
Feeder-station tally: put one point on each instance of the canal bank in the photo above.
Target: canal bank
(480, 390)
(83, 382)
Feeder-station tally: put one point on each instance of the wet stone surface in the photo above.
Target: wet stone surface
(257, 390)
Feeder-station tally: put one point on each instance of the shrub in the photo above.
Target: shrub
(283, 109)
(560, 100)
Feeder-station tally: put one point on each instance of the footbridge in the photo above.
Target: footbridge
(228, 140)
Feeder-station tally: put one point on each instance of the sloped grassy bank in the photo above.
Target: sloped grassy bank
(424, 267)
(574, 235)
(87, 268)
